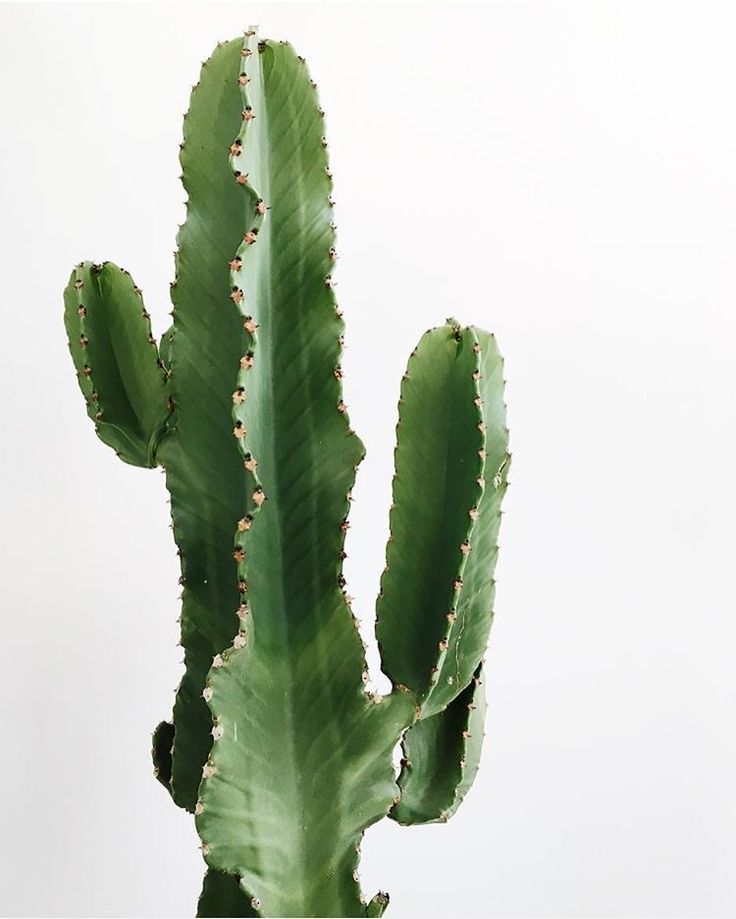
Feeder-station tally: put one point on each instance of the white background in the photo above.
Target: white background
(560, 173)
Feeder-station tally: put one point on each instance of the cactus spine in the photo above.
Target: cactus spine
(275, 744)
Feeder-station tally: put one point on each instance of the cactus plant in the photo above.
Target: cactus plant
(276, 744)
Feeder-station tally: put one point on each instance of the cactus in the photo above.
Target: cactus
(276, 744)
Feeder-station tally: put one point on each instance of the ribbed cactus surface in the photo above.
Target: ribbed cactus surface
(275, 744)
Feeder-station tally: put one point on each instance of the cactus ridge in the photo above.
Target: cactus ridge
(276, 745)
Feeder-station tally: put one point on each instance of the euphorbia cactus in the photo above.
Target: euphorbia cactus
(276, 745)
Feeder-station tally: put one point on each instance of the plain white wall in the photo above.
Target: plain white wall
(560, 173)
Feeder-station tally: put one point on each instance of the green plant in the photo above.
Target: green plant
(276, 745)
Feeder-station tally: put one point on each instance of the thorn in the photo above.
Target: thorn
(457, 583)
(476, 375)
(250, 236)
(242, 585)
(481, 427)
(239, 430)
(244, 524)
(338, 372)
(345, 525)
(236, 263)
(81, 311)
(204, 847)
(237, 295)
(83, 340)
(239, 640)
(246, 362)
(239, 555)
(482, 453)
(477, 402)
(261, 206)
(207, 693)
(258, 496)
(250, 463)
(241, 178)
(198, 809)
(244, 79)
(329, 282)
(236, 148)
(473, 513)
(250, 325)
(467, 735)
(217, 731)
(87, 370)
(217, 661)
(248, 114)
(481, 481)
(208, 770)
(465, 547)
(79, 284)
(255, 903)
(443, 645)
(243, 612)
(341, 407)
(333, 253)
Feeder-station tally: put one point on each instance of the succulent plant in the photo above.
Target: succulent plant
(276, 744)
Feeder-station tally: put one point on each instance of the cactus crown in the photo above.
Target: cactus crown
(275, 744)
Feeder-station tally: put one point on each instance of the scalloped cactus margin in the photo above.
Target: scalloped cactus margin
(275, 744)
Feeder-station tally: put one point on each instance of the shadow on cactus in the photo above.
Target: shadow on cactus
(275, 744)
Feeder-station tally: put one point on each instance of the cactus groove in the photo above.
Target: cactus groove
(275, 744)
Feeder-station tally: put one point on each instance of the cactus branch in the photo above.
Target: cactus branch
(117, 361)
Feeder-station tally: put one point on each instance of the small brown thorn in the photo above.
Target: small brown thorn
(239, 395)
(250, 325)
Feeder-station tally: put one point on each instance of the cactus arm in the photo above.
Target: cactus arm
(437, 483)
(441, 758)
(117, 360)
(468, 637)
(435, 605)
(301, 762)
(204, 468)
(222, 896)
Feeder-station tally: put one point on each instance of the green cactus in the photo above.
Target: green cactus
(275, 744)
